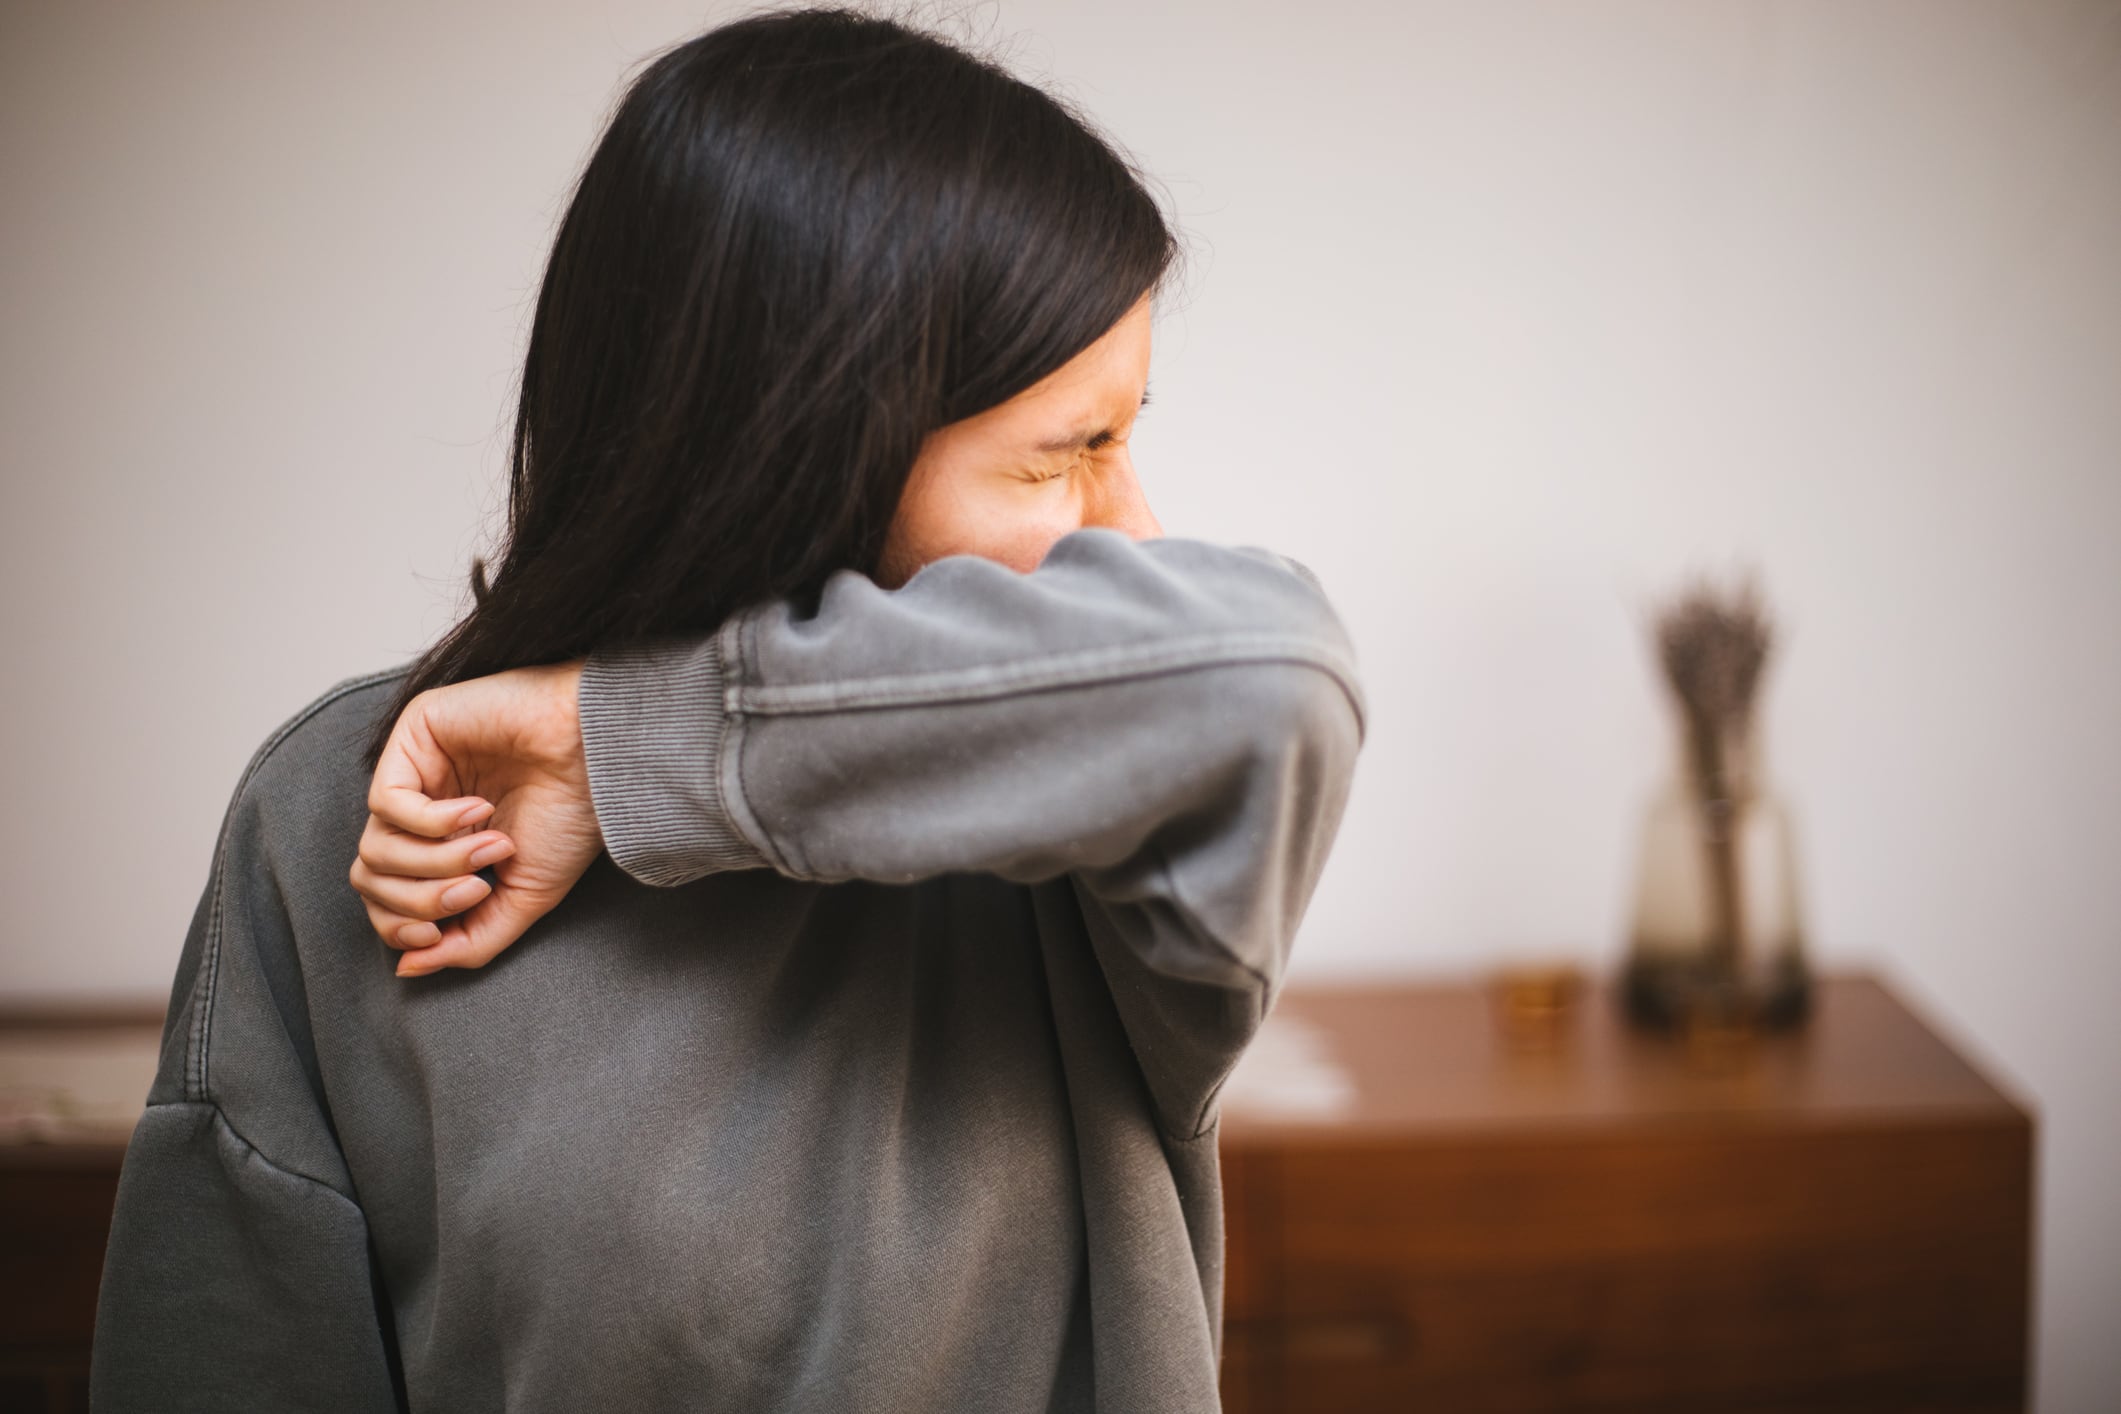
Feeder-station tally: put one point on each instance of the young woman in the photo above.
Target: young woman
(898, 839)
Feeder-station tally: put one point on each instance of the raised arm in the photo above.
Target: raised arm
(1174, 723)
(979, 719)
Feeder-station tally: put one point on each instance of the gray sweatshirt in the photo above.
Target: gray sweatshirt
(873, 1066)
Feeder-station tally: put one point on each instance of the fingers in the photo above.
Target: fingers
(408, 882)
(409, 808)
(412, 765)
(400, 931)
(416, 899)
(386, 849)
(476, 938)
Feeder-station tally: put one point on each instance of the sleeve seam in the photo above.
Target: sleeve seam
(1081, 668)
(1194, 929)
(1194, 926)
(734, 798)
(737, 643)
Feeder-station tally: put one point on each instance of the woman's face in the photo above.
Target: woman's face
(1008, 482)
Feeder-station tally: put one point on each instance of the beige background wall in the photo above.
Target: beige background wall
(1507, 315)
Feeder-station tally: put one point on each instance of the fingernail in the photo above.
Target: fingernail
(487, 853)
(416, 935)
(473, 811)
(464, 894)
(408, 968)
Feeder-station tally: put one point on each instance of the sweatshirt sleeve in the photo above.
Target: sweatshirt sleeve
(1171, 723)
(238, 1275)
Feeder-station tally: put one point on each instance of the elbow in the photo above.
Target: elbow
(1320, 695)
(1311, 696)
(1306, 730)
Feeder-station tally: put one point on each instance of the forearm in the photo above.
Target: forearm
(975, 719)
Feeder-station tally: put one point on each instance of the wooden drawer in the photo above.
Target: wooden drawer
(1836, 1258)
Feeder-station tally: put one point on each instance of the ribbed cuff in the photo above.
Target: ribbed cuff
(652, 729)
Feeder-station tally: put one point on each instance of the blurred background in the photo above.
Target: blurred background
(1504, 317)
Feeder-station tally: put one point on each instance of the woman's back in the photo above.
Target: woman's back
(749, 1135)
(919, 1117)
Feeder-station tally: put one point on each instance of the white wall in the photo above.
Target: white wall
(1506, 316)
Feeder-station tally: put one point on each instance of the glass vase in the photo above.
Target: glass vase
(1717, 937)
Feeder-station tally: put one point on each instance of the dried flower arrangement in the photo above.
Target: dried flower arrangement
(1713, 648)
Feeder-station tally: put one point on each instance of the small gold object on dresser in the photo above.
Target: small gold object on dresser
(1535, 1002)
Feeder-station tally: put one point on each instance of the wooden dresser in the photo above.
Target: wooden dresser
(1429, 1210)
(72, 1082)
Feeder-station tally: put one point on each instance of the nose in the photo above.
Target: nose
(1123, 506)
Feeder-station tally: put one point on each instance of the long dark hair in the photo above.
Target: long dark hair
(805, 240)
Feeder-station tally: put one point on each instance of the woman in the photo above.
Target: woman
(899, 838)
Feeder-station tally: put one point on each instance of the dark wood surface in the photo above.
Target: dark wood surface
(1592, 1218)
(72, 1080)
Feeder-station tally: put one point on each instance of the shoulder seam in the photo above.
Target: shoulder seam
(220, 1117)
(201, 1031)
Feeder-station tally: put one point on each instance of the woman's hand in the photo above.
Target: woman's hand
(511, 744)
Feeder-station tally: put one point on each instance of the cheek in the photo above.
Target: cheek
(1005, 520)
(1025, 543)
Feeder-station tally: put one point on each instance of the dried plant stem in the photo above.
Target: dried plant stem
(1719, 805)
(1713, 647)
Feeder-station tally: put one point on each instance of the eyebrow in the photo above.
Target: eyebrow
(1073, 440)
